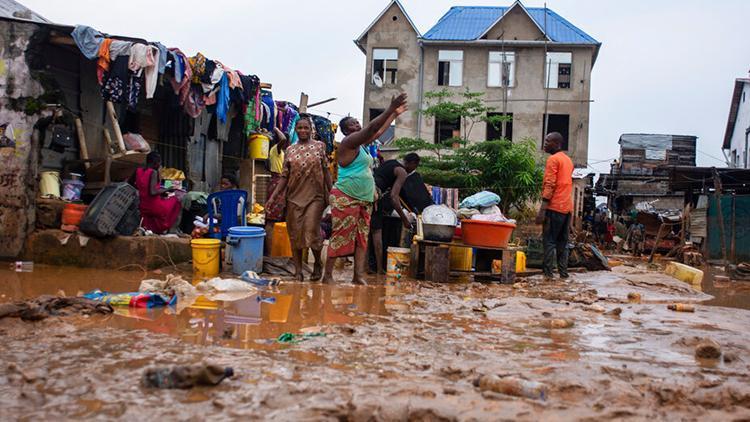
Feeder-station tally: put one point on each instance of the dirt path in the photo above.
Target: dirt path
(409, 352)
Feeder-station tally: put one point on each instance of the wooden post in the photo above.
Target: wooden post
(717, 193)
(413, 272)
(508, 273)
(733, 240)
(437, 264)
(116, 127)
(656, 244)
(303, 99)
(82, 143)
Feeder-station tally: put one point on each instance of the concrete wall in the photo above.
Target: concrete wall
(742, 124)
(526, 98)
(515, 25)
(17, 165)
(398, 33)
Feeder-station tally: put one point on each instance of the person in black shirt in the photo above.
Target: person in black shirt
(389, 179)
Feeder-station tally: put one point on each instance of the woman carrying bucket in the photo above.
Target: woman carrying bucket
(306, 181)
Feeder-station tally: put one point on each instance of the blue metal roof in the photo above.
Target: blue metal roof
(466, 23)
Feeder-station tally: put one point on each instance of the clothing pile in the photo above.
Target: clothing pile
(483, 206)
(125, 68)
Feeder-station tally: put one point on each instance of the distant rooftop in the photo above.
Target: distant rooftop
(15, 10)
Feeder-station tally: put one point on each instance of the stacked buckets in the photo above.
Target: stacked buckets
(246, 252)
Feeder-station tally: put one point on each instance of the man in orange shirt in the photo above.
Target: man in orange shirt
(557, 205)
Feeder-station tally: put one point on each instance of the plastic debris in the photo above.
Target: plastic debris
(185, 376)
(296, 338)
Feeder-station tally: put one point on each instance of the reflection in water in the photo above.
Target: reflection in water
(245, 323)
(733, 294)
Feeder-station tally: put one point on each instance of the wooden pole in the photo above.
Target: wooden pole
(717, 197)
(733, 240)
(303, 99)
(656, 244)
(116, 127)
(82, 143)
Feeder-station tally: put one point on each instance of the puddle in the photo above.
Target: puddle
(732, 294)
(244, 324)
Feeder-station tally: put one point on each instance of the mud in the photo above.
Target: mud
(406, 351)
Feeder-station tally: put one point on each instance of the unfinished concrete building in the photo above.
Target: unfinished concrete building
(531, 63)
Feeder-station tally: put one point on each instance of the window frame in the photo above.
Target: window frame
(393, 80)
(511, 77)
(564, 133)
(455, 68)
(552, 62)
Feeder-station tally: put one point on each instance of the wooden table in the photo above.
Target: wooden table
(430, 260)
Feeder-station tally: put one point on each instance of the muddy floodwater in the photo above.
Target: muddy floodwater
(391, 351)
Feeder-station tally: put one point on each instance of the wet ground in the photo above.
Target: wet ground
(392, 351)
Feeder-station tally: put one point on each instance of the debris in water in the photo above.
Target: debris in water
(634, 297)
(185, 376)
(558, 323)
(681, 307)
(296, 338)
(46, 306)
(614, 312)
(513, 386)
(708, 349)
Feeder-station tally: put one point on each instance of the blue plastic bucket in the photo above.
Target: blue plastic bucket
(247, 248)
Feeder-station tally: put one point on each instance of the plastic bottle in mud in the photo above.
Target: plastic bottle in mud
(22, 266)
(681, 307)
(513, 386)
(185, 376)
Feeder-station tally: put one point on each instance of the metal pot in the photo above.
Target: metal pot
(439, 232)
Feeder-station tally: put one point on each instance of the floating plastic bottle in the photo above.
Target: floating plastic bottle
(185, 376)
(22, 266)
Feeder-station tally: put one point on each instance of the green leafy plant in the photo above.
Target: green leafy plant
(512, 170)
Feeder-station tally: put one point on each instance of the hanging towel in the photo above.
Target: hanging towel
(222, 102)
(145, 58)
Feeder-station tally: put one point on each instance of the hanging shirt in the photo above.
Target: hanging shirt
(145, 58)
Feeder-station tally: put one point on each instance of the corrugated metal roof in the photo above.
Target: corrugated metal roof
(15, 10)
(466, 23)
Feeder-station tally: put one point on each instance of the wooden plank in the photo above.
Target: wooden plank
(437, 263)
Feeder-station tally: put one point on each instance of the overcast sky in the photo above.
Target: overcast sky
(664, 66)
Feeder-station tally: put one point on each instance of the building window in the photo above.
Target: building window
(735, 157)
(496, 132)
(557, 123)
(559, 69)
(450, 67)
(447, 129)
(384, 66)
(501, 70)
(375, 112)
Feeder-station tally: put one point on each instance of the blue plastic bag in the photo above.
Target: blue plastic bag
(480, 200)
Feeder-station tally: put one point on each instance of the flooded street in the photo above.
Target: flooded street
(404, 351)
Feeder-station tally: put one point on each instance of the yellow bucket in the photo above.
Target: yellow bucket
(461, 258)
(259, 147)
(520, 262)
(280, 244)
(49, 184)
(206, 257)
(398, 262)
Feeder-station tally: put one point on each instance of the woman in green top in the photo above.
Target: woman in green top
(352, 196)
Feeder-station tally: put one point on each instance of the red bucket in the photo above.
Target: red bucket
(486, 234)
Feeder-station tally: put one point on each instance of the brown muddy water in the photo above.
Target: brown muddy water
(405, 351)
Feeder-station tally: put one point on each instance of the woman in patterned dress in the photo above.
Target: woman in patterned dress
(306, 181)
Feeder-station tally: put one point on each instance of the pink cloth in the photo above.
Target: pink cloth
(159, 214)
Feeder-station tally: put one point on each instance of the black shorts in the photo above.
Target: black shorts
(382, 209)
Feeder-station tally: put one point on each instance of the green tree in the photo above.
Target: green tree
(512, 170)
